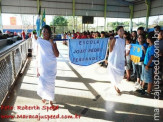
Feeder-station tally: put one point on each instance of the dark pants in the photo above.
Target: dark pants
(138, 69)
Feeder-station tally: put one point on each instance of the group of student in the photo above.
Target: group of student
(119, 48)
(86, 34)
(142, 71)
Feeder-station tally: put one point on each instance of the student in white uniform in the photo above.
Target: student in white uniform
(46, 65)
(116, 60)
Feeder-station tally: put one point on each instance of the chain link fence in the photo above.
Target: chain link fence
(11, 62)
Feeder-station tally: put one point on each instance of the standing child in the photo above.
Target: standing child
(138, 66)
(148, 64)
(128, 60)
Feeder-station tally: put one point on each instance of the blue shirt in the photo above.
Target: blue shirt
(137, 41)
(148, 55)
(143, 55)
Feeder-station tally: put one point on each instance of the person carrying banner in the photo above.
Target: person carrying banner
(46, 65)
(116, 60)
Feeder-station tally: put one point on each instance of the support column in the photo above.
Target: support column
(38, 5)
(131, 16)
(105, 7)
(97, 24)
(148, 4)
(1, 17)
(73, 13)
(87, 26)
(76, 24)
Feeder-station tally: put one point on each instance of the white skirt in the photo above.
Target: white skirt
(115, 75)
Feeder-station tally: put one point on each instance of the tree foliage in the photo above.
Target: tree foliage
(115, 24)
(161, 23)
(59, 21)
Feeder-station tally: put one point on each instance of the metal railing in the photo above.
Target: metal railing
(11, 62)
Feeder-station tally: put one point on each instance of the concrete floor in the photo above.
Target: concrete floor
(83, 91)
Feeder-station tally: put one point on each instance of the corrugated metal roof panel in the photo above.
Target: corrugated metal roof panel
(115, 8)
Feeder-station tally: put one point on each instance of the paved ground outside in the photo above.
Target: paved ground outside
(83, 94)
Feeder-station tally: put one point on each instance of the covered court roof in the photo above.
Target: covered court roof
(96, 8)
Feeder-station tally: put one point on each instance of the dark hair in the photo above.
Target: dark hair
(135, 32)
(157, 27)
(142, 35)
(48, 28)
(150, 36)
(98, 34)
(141, 28)
(128, 38)
(126, 33)
(119, 27)
(102, 32)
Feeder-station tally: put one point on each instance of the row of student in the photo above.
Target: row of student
(86, 35)
(103, 34)
(144, 69)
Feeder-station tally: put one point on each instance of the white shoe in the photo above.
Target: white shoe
(138, 86)
(136, 83)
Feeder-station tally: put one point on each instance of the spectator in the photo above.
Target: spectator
(138, 66)
(128, 60)
(133, 37)
(156, 30)
(23, 35)
(148, 65)
(126, 34)
(140, 30)
(133, 41)
(78, 36)
(84, 35)
(102, 34)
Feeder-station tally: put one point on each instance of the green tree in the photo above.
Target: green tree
(113, 25)
(161, 23)
(60, 23)
(140, 24)
(78, 23)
